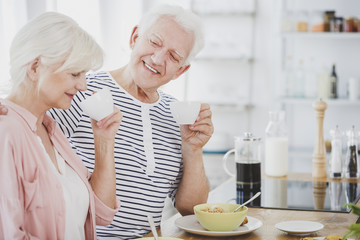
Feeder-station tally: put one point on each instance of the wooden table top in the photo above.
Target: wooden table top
(335, 223)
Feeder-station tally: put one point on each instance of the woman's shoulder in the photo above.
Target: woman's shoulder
(12, 125)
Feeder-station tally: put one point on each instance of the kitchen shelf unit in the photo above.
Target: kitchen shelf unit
(325, 47)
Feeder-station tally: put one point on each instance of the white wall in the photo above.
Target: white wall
(111, 22)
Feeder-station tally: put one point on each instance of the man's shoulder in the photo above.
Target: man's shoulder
(96, 76)
(99, 80)
(166, 97)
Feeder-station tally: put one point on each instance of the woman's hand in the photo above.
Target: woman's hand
(196, 135)
(103, 178)
(106, 128)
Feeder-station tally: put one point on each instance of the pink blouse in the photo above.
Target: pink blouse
(32, 205)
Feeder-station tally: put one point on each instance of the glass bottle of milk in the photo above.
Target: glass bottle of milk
(276, 145)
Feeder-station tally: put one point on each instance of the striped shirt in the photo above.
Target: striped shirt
(148, 159)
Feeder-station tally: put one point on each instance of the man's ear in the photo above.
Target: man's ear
(32, 69)
(182, 70)
(134, 36)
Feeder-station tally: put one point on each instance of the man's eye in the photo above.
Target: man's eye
(174, 57)
(154, 43)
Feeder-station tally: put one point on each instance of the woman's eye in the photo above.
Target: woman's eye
(75, 74)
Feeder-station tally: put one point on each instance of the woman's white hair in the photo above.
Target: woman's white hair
(54, 39)
(185, 18)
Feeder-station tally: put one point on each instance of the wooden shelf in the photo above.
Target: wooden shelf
(333, 102)
(325, 35)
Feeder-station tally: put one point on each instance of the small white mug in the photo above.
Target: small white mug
(185, 112)
(98, 105)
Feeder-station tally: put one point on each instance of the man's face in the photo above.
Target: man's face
(159, 54)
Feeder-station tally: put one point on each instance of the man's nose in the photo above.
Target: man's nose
(159, 56)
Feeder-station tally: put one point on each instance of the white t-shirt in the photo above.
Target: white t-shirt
(76, 198)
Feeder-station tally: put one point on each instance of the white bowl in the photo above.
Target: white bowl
(185, 112)
(98, 105)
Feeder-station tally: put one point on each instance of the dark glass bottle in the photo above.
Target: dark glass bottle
(333, 83)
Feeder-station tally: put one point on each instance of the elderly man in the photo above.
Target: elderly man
(154, 156)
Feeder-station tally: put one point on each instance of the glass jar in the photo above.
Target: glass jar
(316, 21)
(302, 21)
(327, 16)
(349, 24)
(276, 145)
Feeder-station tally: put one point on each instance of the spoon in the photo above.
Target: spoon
(152, 226)
(251, 199)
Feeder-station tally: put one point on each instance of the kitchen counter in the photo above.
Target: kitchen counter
(335, 223)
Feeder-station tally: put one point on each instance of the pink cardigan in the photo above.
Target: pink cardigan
(31, 198)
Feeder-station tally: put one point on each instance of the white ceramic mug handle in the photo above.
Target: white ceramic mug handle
(225, 160)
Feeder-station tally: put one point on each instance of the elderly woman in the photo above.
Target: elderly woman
(45, 190)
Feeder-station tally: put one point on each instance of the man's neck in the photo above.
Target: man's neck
(123, 77)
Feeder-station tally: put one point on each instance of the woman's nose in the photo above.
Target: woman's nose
(81, 84)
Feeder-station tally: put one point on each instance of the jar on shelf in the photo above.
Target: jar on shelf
(336, 24)
(327, 16)
(349, 24)
(302, 21)
(316, 21)
(287, 22)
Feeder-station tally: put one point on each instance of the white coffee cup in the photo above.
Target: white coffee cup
(185, 112)
(98, 105)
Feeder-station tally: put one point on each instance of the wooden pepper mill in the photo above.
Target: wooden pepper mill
(319, 156)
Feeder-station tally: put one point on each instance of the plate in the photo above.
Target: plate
(190, 224)
(299, 227)
(160, 238)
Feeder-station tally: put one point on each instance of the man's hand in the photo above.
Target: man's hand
(196, 135)
(3, 110)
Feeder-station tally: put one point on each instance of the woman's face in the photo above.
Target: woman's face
(58, 89)
(159, 54)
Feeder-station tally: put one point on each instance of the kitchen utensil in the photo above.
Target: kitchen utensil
(152, 226)
(250, 200)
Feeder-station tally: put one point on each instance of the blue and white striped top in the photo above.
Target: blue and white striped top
(148, 157)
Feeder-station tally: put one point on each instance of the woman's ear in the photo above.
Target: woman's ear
(32, 69)
(134, 36)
